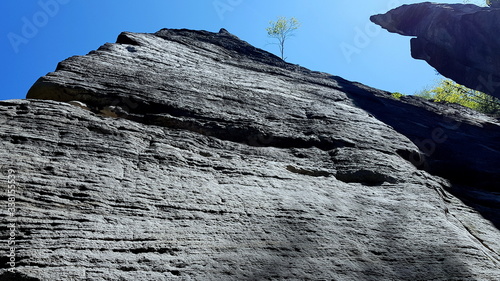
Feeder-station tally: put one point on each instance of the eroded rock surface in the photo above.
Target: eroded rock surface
(460, 41)
(190, 155)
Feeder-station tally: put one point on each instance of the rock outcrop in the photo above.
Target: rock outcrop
(190, 155)
(460, 41)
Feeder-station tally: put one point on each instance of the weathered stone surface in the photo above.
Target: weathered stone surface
(189, 155)
(460, 41)
(457, 143)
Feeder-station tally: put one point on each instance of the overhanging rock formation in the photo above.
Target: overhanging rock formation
(460, 41)
(190, 155)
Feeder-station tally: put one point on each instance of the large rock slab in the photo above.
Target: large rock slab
(190, 155)
(218, 85)
(460, 41)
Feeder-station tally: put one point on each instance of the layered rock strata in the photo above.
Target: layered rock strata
(190, 155)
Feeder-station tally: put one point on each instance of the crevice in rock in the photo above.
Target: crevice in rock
(363, 176)
(416, 158)
(127, 268)
(165, 115)
(237, 131)
(308, 172)
(124, 38)
(173, 251)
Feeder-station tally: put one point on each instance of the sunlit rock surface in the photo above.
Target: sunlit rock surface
(190, 155)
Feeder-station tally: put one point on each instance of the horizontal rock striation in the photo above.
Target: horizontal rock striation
(460, 41)
(190, 155)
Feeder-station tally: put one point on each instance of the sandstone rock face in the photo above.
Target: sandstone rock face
(190, 155)
(460, 41)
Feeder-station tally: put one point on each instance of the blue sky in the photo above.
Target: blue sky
(336, 36)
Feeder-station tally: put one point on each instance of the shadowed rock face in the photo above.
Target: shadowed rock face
(190, 155)
(460, 41)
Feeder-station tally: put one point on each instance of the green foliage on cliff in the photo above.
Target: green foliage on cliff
(450, 92)
(493, 3)
(397, 95)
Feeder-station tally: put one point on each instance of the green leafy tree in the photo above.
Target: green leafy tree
(281, 30)
(450, 92)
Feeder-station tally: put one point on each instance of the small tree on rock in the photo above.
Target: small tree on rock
(282, 29)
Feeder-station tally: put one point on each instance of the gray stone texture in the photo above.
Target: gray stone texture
(190, 155)
(460, 41)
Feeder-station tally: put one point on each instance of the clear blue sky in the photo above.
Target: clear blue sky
(336, 35)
